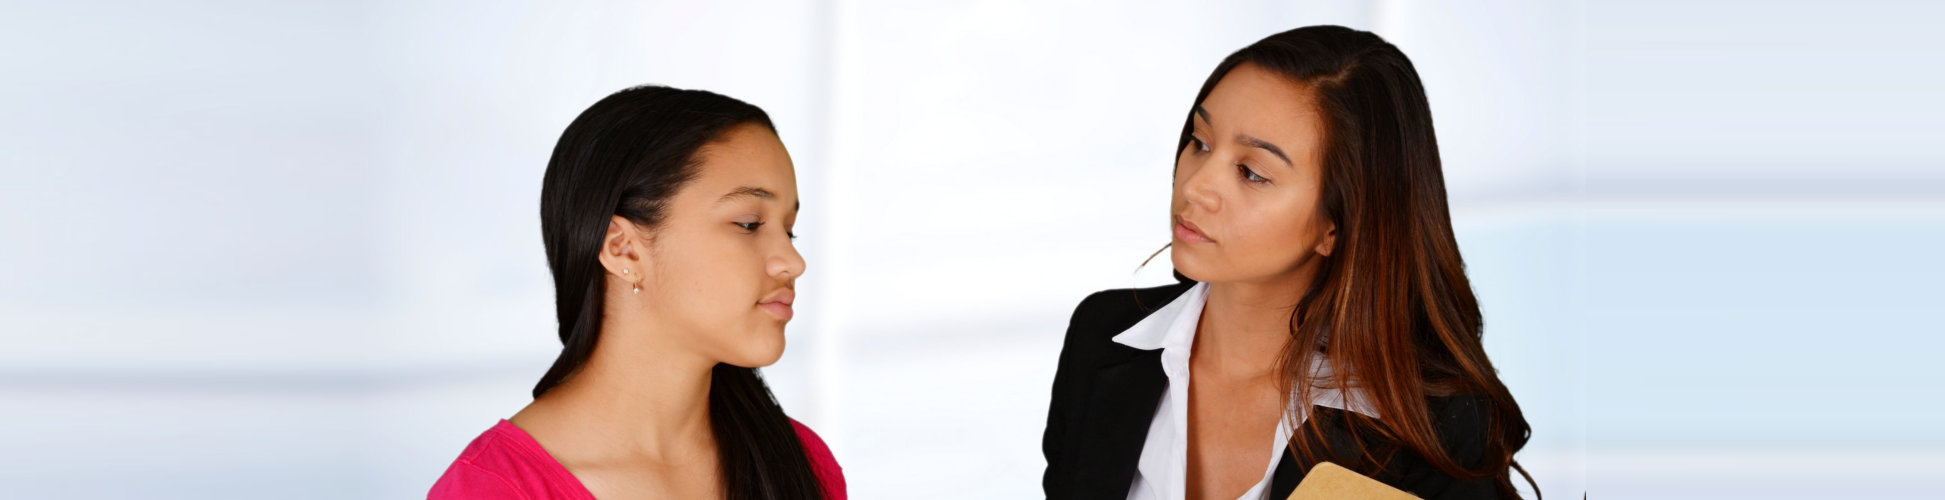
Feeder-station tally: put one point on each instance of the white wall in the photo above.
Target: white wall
(293, 248)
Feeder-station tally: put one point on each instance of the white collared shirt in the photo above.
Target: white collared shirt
(1162, 473)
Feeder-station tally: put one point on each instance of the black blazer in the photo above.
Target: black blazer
(1105, 395)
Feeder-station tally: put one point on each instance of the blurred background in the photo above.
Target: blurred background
(291, 249)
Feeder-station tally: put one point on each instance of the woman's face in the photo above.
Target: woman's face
(721, 269)
(1245, 205)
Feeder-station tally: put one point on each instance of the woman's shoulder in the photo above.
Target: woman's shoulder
(1108, 312)
(506, 462)
(829, 475)
(1104, 314)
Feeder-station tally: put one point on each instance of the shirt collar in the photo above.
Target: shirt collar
(1173, 321)
(1173, 327)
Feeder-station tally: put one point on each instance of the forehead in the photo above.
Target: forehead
(1252, 100)
(747, 155)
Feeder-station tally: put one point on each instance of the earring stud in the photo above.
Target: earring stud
(638, 289)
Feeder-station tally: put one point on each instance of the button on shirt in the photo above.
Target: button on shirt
(1162, 470)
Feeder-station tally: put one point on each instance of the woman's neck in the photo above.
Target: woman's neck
(630, 400)
(1246, 324)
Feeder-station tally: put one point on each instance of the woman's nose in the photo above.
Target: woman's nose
(789, 264)
(1200, 189)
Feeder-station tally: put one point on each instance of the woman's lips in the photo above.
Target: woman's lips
(780, 309)
(1186, 232)
(779, 303)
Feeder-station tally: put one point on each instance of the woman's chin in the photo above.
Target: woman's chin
(1188, 266)
(763, 350)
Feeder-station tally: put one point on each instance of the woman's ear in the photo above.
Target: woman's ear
(621, 251)
(1329, 240)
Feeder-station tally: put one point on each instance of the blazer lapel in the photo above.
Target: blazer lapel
(1286, 477)
(1119, 410)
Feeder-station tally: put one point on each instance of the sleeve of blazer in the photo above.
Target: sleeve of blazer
(1062, 415)
(1461, 424)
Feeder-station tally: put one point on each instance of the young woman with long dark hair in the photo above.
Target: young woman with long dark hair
(666, 216)
(1323, 311)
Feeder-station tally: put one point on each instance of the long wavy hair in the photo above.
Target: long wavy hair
(627, 155)
(1391, 302)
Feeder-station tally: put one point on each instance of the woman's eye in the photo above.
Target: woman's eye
(791, 234)
(1199, 145)
(749, 226)
(1250, 175)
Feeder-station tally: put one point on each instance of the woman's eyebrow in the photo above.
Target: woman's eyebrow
(758, 193)
(747, 192)
(1247, 140)
(1266, 146)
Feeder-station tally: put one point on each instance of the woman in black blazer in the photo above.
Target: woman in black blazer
(1323, 310)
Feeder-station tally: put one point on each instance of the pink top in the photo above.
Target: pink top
(505, 462)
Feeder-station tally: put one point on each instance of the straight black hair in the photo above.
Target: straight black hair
(627, 155)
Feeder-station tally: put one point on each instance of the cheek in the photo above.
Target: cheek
(705, 279)
(727, 277)
(1280, 234)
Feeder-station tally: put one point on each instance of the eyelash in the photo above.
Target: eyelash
(1250, 175)
(751, 227)
(1241, 169)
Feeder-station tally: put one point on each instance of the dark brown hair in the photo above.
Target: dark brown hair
(1391, 306)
